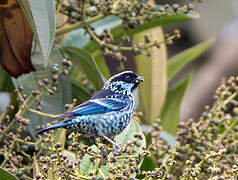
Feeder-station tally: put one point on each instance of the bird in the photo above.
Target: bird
(107, 113)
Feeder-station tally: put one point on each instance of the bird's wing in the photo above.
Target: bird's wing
(98, 106)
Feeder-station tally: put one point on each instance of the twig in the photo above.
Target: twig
(125, 48)
(44, 114)
(78, 25)
(170, 164)
(214, 166)
(228, 129)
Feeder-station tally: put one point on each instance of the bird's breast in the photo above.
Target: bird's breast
(115, 122)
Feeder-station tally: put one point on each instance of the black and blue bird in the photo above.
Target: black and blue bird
(107, 113)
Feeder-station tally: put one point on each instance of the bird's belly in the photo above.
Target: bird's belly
(115, 123)
(108, 124)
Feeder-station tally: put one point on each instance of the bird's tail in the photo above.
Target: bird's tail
(55, 126)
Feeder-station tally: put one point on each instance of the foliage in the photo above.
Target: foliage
(173, 102)
(92, 40)
(6, 175)
(204, 149)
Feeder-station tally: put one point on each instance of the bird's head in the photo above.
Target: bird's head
(124, 82)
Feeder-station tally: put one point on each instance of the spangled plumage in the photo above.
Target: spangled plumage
(107, 112)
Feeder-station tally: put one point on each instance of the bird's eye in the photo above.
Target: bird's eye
(128, 79)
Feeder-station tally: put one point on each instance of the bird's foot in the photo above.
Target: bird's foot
(93, 141)
(104, 152)
(111, 141)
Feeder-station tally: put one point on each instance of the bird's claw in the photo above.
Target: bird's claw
(104, 152)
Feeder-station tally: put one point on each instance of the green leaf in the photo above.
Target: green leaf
(101, 63)
(108, 22)
(79, 37)
(168, 138)
(6, 175)
(52, 104)
(170, 113)
(177, 62)
(6, 85)
(86, 61)
(228, 128)
(128, 134)
(85, 164)
(153, 69)
(149, 164)
(80, 92)
(41, 16)
(60, 137)
(5, 82)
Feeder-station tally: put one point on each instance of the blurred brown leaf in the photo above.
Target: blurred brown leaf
(15, 39)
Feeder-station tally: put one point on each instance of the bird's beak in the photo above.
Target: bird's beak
(139, 79)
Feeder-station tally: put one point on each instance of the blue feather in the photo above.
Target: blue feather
(58, 125)
(99, 103)
(98, 106)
